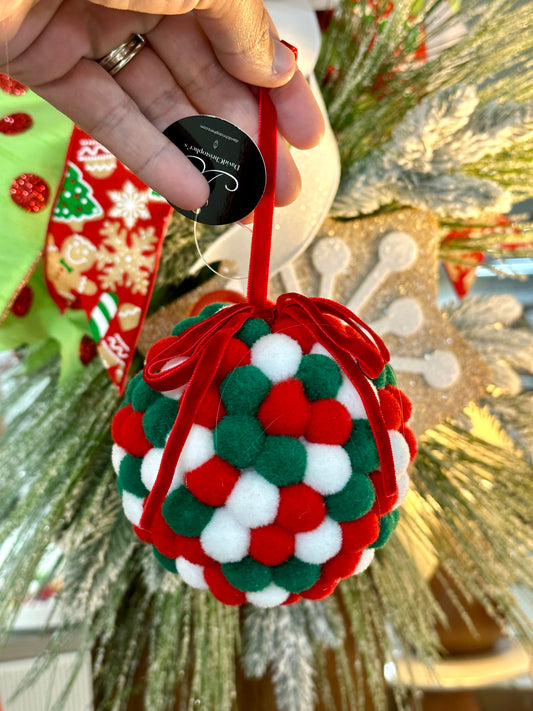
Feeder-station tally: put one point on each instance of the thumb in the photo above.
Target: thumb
(246, 42)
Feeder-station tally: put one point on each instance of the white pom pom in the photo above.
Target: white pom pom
(253, 501)
(224, 539)
(319, 349)
(198, 448)
(403, 490)
(366, 558)
(270, 596)
(117, 455)
(277, 355)
(133, 507)
(179, 476)
(328, 467)
(191, 573)
(150, 466)
(350, 398)
(177, 392)
(319, 545)
(400, 452)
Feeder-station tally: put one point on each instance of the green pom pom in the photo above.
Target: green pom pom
(158, 420)
(185, 514)
(386, 526)
(143, 396)
(295, 576)
(185, 324)
(210, 309)
(132, 386)
(247, 575)
(129, 476)
(252, 331)
(168, 563)
(352, 502)
(361, 448)
(238, 439)
(244, 389)
(320, 376)
(390, 375)
(381, 380)
(282, 460)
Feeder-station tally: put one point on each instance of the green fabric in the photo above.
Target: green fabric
(282, 460)
(238, 439)
(40, 150)
(361, 448)
(129, 477)
(252, 331)
(244, 389)
(143, 396)
(158, 420)
(320, 376)
(352, 502)
(295, 575)
(386, 527)
(44, 321)
(185, 514)
(247, 575)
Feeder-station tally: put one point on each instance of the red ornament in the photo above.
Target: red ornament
(23, 302)
(30, 192)
(15, 123)
(88, 350)
(11, 86)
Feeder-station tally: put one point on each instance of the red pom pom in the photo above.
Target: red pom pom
(286, 409)
(211, 410)
(342, 566)
(23, 302)
(390, 409)
(237, 353)
(301, 508)
(294, 330)
(293, 597)
(172, 545)
(220, 587)
(127, 431)
(271, 545)
(361, 533)
(320, 590)
(406, 407)
(212, 482)
(330, 422)
(411, 441)
(142, 534)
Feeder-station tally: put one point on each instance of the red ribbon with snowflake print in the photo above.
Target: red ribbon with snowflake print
(103, 248)
(193, 357)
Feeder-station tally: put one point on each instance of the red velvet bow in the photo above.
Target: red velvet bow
(198, 352)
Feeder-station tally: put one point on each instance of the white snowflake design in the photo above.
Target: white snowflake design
(130, 204)
(126, 259)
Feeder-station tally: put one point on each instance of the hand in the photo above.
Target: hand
(203, 56)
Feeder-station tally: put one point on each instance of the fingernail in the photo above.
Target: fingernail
(284, 61)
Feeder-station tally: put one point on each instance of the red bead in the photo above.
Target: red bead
(237, 354)
(390, 410)
(301, 508)
(88, 350)
(296, 331)
(330, 422)
(361, 533)
(15, 123)
(213, 482)
(211, 410)
(30, 192)
(221, 588)
(271, 545)
(23, 302)
(342, 566)
(11, 86)
(286, 409)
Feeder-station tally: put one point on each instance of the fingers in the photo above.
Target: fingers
(93, 100)
(242, 39)
(300, 119)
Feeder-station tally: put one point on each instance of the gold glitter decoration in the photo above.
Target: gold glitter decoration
(360, 262)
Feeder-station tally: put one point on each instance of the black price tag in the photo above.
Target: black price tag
(230, 161)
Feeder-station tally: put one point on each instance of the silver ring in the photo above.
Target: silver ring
(118, 58)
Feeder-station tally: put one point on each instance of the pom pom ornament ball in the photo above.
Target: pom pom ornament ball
(277, 493)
